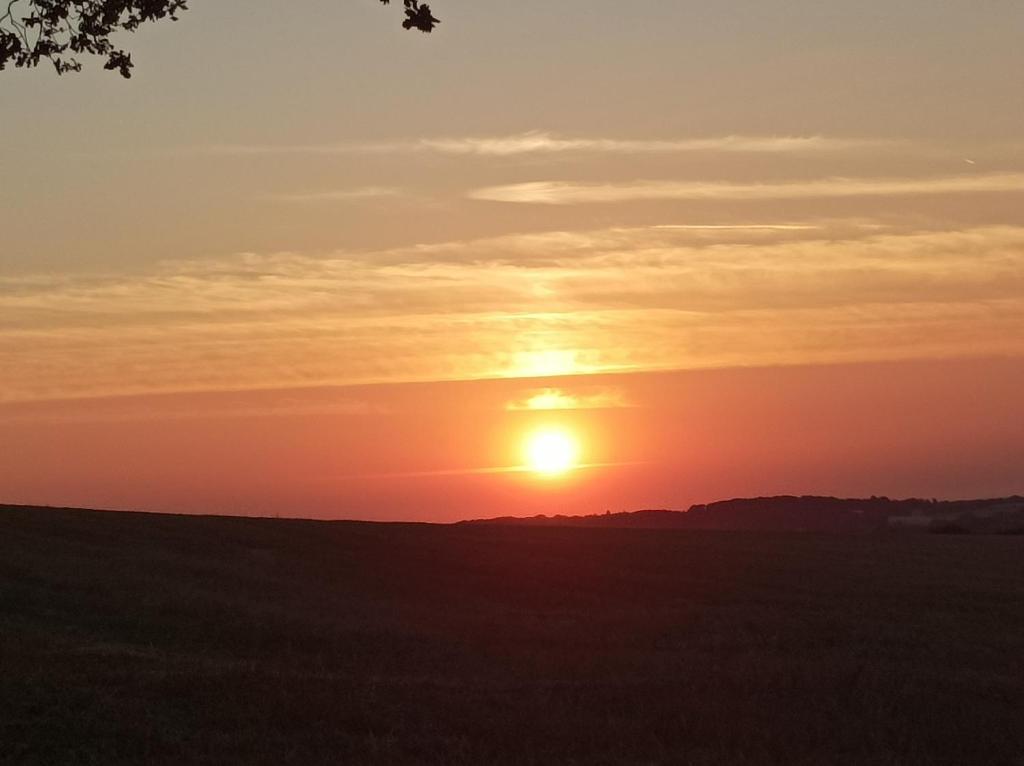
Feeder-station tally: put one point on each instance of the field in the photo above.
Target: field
(133, 638)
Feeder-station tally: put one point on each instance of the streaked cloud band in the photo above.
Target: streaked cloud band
(538, 142)
(516, 306)
(569, 193)
(337, 195)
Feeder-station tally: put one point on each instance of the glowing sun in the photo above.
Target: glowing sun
(551, 452)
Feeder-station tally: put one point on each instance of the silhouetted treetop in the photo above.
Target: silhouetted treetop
(60, 30)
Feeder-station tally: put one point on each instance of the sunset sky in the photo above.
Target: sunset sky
(314, 265)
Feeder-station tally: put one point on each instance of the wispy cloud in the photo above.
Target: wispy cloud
(192, 407)
(560, 399)
(519, 305)
(701, 227)
(483, 471)
(538, 142)
(337, 195)
(546, 143)
(569, 193)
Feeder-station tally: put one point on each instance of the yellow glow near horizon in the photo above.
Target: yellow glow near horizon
(551, 452)
(551, 399)
(547, 363)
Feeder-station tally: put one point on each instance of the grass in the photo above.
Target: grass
(133, 638)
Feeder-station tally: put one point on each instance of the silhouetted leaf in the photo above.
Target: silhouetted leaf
(34, 30)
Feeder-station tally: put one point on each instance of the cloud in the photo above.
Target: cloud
(740, 227)
(539, 142)
(545, 143)
(520, 305)
(559, 399)
(189, 407)
(568, 193)
(338, 195)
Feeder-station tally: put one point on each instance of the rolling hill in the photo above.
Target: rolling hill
(809, 514)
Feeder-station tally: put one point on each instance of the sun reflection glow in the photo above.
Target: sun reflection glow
(547, 363)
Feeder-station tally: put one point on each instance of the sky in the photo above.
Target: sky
(310, 264)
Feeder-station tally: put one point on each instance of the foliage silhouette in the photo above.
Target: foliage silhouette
(57, 31)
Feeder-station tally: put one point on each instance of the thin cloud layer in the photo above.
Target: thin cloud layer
(521, 305)
(584, 398)
(568, 193)
(538, 142)
(338, 195)
(546, 143)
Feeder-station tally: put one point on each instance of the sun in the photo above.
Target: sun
(551, 452)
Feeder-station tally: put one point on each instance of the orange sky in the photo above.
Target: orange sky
(435, 451)
(324, 268)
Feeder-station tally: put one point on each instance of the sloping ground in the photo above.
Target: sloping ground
(129, 639)
(788, 513)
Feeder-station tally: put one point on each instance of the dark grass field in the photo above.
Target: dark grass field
(130, 639)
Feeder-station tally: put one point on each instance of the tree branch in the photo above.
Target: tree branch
(64, 28)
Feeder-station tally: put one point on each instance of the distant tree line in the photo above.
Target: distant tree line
(59, 31)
